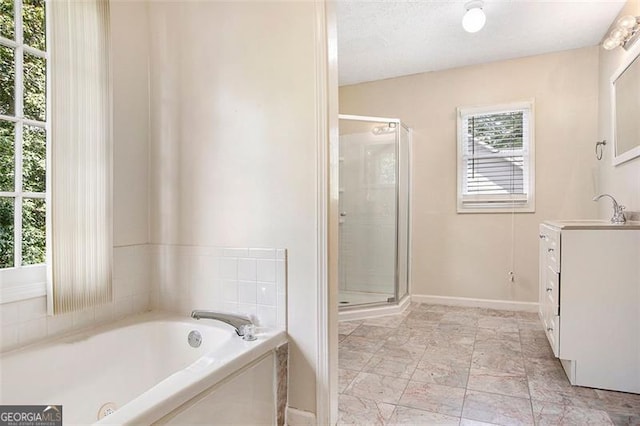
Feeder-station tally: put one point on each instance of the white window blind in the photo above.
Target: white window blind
(81, 154)
(495, 167)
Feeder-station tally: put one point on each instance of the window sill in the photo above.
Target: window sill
(22, 292)
(489, 210)
(22, 283)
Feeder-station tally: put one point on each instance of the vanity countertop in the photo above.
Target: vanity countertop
(591, 224)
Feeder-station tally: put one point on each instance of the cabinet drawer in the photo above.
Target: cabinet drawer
(552, 329)
(552, 290)
(550, 246)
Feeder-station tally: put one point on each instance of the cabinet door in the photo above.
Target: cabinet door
(600, 307)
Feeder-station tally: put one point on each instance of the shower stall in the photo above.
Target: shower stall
(374, 189)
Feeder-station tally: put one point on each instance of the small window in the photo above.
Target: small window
(495, 159)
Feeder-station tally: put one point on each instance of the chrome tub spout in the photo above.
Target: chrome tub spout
(244, 326)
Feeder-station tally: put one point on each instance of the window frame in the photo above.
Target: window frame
(22, 282)
(492, 203)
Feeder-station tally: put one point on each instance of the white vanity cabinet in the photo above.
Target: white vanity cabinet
(590, 301)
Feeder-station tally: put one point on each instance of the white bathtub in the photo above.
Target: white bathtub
(144, 365)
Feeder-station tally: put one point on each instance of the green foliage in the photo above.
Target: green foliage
(7, 182)
(33, 231)
(6, 232)
(33, 22)
(35, 86)
(7, 27)
(7, 81)
(35, 81)
(34, 155)
(501, 130)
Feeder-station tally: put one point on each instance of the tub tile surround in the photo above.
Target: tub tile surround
(436, 364)
(26, 321)
(238, 280)
(172, 278)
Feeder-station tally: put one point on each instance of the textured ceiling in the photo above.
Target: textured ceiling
(389, 38)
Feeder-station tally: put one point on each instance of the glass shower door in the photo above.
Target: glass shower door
(368, 211)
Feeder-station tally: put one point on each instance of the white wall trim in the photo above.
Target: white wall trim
(326, 365)
(378, 311)
(629, 58)
(509, 305)
(295, 417)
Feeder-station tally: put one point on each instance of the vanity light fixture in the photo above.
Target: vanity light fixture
(474, 18)
(625, 33)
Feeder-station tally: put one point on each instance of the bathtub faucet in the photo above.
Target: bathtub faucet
(245, 328)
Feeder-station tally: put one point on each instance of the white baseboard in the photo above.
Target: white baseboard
(508, 305)
(295, 417)
(378, 311)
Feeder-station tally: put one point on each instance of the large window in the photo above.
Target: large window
(495, 159)
(23, 134)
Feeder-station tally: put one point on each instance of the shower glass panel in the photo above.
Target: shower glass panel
(404, 189)
(373, 240)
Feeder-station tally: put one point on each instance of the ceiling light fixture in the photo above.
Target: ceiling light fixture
(625, 33)
(474, 18)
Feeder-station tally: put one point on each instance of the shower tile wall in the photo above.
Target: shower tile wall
(241, 280)
(368, 197)
(26, 321)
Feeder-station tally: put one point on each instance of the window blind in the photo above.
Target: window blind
(81, 156)
(495, 148)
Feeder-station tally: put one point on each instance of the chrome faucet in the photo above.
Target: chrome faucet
(244, 326)
(618, 215)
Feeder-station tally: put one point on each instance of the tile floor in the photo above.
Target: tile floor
(445, 365)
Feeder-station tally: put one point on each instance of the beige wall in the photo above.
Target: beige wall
(233, 154)
(622, 181)
(469, 255)
(130, 68)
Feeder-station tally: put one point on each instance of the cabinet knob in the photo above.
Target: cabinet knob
(549, 289)
(543, 236)
(550, 250)
(549, 328)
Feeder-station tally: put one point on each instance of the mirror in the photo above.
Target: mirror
(625, 99)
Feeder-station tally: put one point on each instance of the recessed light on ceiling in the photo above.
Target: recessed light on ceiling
(474, 18)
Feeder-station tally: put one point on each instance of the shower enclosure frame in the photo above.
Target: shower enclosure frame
(397, 298)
